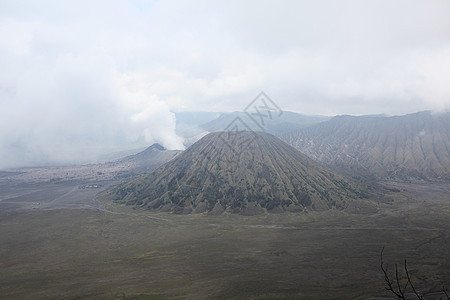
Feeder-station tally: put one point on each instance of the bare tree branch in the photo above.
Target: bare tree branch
(398, 282)
(397, 279)
(396, 288)
(410, 283)
(444, 290)
(388, 280)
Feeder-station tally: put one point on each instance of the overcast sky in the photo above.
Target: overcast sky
(79, 77)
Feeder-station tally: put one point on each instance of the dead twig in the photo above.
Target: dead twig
(444, 290)
(389, 281)
(420, 297)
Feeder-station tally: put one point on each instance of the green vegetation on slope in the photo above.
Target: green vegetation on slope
(244, 172)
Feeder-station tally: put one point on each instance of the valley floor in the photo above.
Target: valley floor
(56, 241)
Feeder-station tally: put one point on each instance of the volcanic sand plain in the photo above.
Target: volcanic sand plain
(57, 241)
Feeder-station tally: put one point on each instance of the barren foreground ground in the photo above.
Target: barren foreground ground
(58, 242)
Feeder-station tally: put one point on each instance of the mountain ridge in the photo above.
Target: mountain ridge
(408, 147)
(287, 121)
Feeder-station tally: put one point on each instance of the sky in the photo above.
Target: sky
(80, 78)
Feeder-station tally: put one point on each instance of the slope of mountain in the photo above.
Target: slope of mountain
(244, 172)
(127, 167)
(288, 121)
(147, 160)
(414, 146)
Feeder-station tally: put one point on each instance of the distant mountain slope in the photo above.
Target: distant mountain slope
(414, 146)
(188, 124)
(243, 172)
(147, 160)
(127, 167)
(288, 121)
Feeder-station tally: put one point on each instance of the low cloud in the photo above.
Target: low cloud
(74, 110)
(81, 78)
